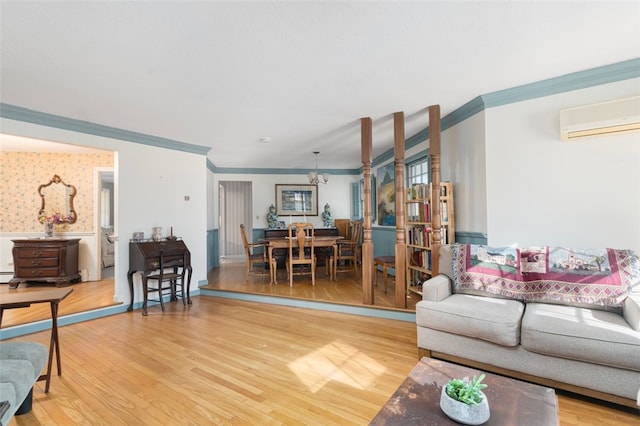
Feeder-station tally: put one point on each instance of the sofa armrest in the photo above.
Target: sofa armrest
(437, 288)
(631, 310)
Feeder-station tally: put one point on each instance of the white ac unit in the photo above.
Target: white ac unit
(620, 115)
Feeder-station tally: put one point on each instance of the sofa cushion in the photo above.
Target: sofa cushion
(8, 393)
(488, 318)
(631, 311)
(20, 366)
(582, 334)
(599, 277)
(445, 261)
(19, 373)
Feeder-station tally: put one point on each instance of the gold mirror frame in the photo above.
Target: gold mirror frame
(69, 216)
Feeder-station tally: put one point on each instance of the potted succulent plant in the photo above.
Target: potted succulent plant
(462, 400)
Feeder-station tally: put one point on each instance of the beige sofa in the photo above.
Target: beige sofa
(591, 350)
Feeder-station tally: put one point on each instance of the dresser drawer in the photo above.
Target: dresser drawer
(28, 273)
(38, 263)
(35, 252)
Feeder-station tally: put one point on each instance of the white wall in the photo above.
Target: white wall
(337, 193)
(545, 191)
(463, 162)
(151, 184)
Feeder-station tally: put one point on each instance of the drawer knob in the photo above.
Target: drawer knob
(36, 262)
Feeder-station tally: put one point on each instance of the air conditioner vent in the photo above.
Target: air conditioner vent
(620, 115)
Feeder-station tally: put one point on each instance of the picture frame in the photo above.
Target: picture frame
(296, 200)
(281, 225)
(386, 195)
(138, 236)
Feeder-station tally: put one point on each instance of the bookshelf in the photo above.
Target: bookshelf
(418, 210)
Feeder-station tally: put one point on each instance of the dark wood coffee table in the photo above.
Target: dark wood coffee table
(512, 402)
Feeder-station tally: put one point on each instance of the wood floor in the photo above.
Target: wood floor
(230, 276)
(347, 290)
(224, 361)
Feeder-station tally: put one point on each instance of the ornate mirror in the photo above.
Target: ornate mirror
(57, 201)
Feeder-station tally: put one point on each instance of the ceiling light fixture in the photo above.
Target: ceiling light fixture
(313, 176)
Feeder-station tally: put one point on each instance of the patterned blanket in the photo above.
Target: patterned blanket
(601, 277)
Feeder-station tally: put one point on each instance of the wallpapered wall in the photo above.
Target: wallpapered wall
(22, 172)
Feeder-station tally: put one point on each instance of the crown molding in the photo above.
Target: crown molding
(13, 112)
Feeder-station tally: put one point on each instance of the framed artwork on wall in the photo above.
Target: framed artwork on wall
(296, 200)
(386, 195)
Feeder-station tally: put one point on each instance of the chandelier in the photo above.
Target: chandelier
(313, 176)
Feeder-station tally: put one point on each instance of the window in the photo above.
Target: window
(105, 208)
(418, 171)
(357, 200)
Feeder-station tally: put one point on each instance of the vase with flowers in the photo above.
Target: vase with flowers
(49, 222)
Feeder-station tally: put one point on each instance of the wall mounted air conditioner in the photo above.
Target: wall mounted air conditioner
(620, 115)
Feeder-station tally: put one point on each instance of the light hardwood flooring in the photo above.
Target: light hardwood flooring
(347, 290)
(85, 297)
(230, 276)
(224, 361)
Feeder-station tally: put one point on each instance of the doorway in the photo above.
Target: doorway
(105, 222)
(236, 208)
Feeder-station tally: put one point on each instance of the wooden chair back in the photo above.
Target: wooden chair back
(301, 250)
(245, 241)
(344, 227)
(349, 249)
(254, 258)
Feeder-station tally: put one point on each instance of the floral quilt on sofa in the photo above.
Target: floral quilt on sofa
(595, 277)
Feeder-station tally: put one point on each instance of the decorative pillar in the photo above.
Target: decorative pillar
(401, 245)
(434, 153)
(367, 243)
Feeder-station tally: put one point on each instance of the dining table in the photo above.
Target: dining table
(318, 241)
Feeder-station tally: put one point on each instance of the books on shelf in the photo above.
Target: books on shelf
(420, 231)
(419, 191)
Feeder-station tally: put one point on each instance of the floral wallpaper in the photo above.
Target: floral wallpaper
(22, 172)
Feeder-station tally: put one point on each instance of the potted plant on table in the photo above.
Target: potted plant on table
(462, 400)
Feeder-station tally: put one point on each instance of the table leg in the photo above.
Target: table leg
(54, 345)
(144, 294)
(272, 271)
(335, 262)
(130, 278)
(189, 271)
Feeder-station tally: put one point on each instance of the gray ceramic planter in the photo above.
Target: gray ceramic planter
(464, 413)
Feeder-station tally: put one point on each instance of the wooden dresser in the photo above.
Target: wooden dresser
(52, 260)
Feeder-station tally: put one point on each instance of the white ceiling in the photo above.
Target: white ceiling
(225, 74)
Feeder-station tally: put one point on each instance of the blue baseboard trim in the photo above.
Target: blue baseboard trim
(308, 304)
(34, 327)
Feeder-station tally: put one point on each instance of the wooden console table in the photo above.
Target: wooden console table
(52, 260)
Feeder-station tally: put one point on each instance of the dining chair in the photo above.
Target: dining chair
(257, 258)
(167, 278)
(343, 226)
(301, 258)
(349, 249)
